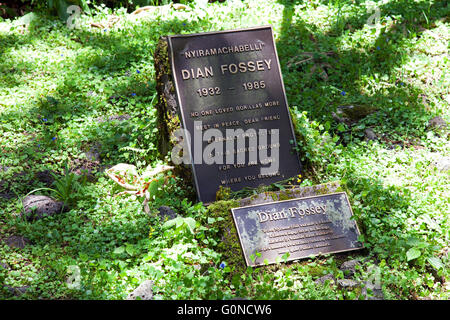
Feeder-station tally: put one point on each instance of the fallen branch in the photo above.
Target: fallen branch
(175, 6)
(127, 177)
(97, 25)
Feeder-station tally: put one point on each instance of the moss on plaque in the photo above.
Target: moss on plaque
(230, 246)
(223, 194)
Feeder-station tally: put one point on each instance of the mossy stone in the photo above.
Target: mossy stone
(168, 111)
(229, 245)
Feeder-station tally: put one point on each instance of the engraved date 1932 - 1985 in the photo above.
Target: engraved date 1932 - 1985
(215, 91)
(211, 91)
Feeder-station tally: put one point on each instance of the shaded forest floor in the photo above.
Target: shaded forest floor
(371, 103)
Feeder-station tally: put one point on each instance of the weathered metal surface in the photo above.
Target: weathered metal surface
(232, 80)
(296, 228)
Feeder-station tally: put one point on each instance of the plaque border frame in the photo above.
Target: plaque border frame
(294, 199)
(180, 105)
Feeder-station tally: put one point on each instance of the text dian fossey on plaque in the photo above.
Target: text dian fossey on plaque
(233, 109)
(301, 227)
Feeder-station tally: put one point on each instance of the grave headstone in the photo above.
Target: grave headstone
(226, 90)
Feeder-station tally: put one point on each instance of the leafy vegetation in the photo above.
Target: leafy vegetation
(84, 96)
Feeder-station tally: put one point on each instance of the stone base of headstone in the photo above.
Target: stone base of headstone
(168, 111)
(229, 245)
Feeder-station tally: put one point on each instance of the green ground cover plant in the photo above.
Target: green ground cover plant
(84, 96)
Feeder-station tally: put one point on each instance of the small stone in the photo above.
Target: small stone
(93, 154)
(372, 292)
(143, 292)
(352, 113)
(442, 164)
(437, 123)
(329, 277)
(369, 134)
(121, 117)
(15, 241)
(6, 195)
(4, 265)
(37, 207)
(349, 268)
(117, 117)
(17, 291)
(347, 284)
(86, 168)
(45, 177)
(167, 213)
(179, 6)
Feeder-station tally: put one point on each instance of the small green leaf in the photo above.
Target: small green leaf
(130, 249)
(341, 127)
(119, 250)
(236, 280)
(285, 256)
(170, 223)
(436, 263)
(412, 254)
(191, 223)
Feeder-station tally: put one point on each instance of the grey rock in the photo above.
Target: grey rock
(349, 268)
(93, 154)
(45, 177)
(121, 117)
(347, 284)
(442, 164)
(167, 212)
(6, 195)
(116, 117)
(5, 192)
(372, 291)
(437, 123)
(37, 207)
(17, 291)
(352, 113)
(85, 168)
(340, 119)
(4, 265)
(143, 292)
(369, 134)
(328, 277)
(16, 241)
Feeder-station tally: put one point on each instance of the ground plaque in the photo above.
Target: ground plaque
(231, 80)
(302, 227)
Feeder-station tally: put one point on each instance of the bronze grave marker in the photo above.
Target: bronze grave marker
(231, 80)
(302, 227)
